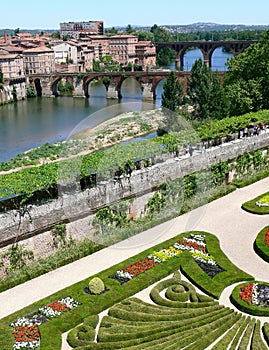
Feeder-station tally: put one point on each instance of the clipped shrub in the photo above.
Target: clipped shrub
(260, 246)
(96, 286)
(265, 332)
(80, 336)
(257, 341)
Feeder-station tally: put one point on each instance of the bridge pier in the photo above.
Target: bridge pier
(178, 64)
(147, 93)
(78, 87)
(112, 92)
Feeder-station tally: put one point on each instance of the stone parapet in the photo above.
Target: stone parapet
(16, 226)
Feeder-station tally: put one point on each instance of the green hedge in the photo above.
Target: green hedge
(257, 341)
(251, 206)
(265, 331)
(259, 245)
(92, 305)
(212, 286)
(223, 343)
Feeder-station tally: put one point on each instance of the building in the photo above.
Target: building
(145, 54)
(81, 29)
(65, 53)
(11, 65)
(39, 60)
(122, 48)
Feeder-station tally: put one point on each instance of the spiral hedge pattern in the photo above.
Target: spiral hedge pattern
(177, 318)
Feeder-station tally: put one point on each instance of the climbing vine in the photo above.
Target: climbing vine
(15, 257)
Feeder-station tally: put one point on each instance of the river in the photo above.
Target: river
(30, 123)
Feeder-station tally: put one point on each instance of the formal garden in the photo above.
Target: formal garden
(177, 316)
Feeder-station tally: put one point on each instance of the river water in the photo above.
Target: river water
(30, 123)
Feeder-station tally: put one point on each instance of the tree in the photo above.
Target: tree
(160, 34)
(144, 35)
(205, 93)
(16, 31)
(165, 56)
(172, 96)
(247, 79)
(130, 29)
(56, 35)
(111, 31)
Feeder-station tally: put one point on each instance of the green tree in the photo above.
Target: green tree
(56, 35)
(160, 34)
(111, 31)
(165, 56)
(130, 29)
(16, 31)
(172, 96)
(247, 79)
(206, 93)
(144, 35)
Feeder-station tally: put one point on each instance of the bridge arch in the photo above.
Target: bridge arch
(38, 87)
(213, 53)
(135, 85)
(182, 57)
(207, 47)
(54, 85)
(87, 82)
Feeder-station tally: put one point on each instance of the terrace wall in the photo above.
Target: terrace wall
(77, 209)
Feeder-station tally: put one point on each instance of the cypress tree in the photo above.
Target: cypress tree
(172, 96)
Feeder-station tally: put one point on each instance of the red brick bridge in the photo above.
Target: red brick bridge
(46, 84)
(207, 48)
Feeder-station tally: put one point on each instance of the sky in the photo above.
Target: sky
(48, 14)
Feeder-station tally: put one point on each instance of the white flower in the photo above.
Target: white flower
(122, 274)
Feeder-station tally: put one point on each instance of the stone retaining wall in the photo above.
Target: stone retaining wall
(77, 209)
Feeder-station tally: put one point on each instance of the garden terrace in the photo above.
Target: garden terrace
(90, 305)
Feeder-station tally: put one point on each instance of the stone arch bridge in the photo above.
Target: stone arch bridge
(207, 48)
(46, 84)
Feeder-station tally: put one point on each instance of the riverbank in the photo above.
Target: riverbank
(121, 128)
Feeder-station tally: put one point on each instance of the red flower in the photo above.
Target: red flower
(246, 293)
(266, 239)
(139, 267)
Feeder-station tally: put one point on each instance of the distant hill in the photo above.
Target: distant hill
(177, 28)
(201, 26)
(32, 31)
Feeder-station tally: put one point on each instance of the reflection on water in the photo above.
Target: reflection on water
(28, 124)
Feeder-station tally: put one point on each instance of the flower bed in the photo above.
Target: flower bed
(128, 272)
(252, 298)
(266, 238)
(25, 329)
(258, 205)
(256, 294)
(195, 245)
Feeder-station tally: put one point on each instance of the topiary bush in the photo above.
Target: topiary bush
(96, 286)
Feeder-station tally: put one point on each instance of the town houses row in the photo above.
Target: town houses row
(25, 54)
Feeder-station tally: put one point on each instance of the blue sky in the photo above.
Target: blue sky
(50, 13)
